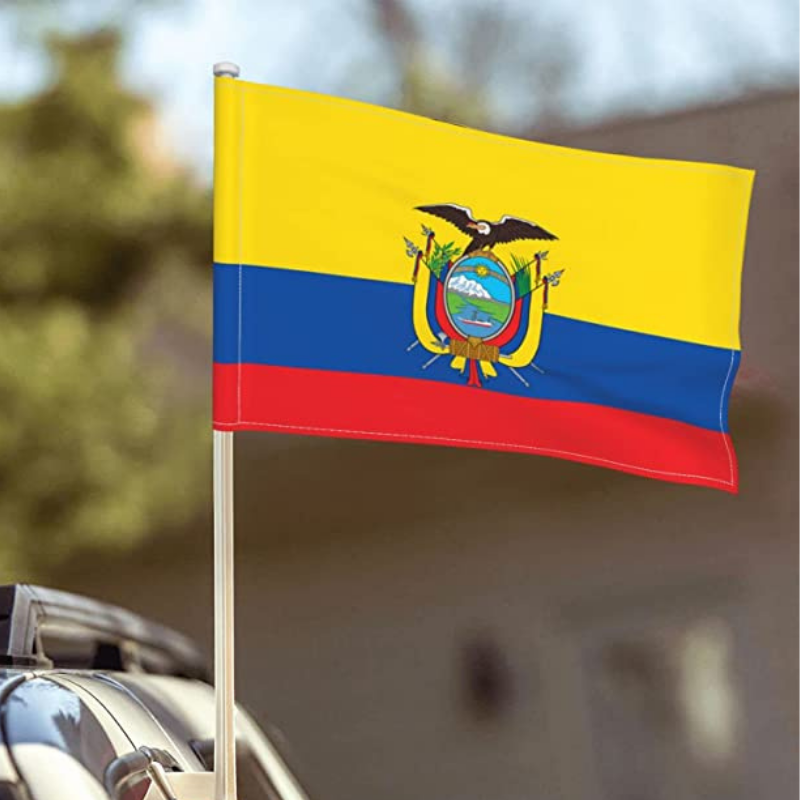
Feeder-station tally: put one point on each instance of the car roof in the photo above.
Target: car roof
(116, 638)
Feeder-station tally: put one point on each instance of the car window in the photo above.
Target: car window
(186, 710)
(252, 780)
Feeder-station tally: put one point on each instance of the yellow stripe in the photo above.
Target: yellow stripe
(227, 172)
(330, 185)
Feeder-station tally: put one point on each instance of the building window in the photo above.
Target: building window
(664, 711)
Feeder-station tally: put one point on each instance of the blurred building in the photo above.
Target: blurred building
(433, 623)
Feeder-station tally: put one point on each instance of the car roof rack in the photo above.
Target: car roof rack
(120, 639)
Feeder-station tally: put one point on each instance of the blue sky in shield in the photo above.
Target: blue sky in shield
(633, 56)
(497, 288)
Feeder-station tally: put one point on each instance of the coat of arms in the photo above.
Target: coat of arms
(470, 305)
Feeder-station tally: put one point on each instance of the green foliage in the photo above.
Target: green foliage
(92, 456)
(493, 308)
(521, 269)
(524, 283)
(84, 213)
(440, 255)
(518, 263)
(101, 445)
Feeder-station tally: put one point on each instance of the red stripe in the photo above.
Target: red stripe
(356, 406)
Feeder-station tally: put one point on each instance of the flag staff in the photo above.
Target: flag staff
(224, 667)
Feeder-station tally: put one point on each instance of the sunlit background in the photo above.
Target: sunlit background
(419, 622)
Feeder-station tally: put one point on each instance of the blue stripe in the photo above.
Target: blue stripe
(317, 321)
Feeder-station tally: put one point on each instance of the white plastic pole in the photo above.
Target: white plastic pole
(225, 736)
(224, 696)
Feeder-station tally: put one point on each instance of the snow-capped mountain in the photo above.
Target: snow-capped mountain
(465, 286)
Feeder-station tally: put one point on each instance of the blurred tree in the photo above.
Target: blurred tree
(451, 62)
(96, 449)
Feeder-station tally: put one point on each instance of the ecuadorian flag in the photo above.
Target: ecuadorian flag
(384, 276)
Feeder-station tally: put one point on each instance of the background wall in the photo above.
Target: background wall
(425, 622)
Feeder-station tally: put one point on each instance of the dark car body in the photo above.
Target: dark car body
(97, 703)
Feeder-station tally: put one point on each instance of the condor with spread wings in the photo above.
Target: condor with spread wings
(486, 234)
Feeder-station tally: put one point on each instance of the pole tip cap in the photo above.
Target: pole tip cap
(226, 69)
